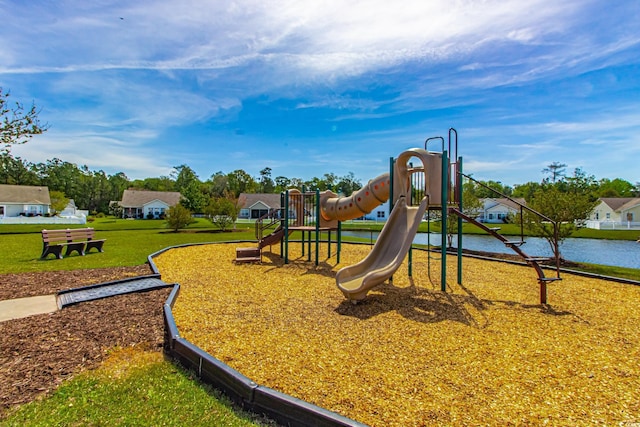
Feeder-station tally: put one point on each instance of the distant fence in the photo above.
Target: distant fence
(43, 220)
(613, 225)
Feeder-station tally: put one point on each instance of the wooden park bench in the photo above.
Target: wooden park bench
(73, 239)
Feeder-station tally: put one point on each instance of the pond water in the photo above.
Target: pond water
(621, 253)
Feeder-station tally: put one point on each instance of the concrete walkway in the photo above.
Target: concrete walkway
(25, 307)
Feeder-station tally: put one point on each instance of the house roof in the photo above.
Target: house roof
(250, 199)
(489, 203)
(139, 198)
(630, 204)
(25, 194)
(616, 203)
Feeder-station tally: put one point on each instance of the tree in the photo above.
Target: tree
(14, 170)
(282, 183)
(178, 217)
(615, 188)
(526, 190)
(223, 211)
(61, 176)
(58, 201)
(568, 209)
(17, 125)
(348, 184)
(118, 182)
(485, 191)
(556, 170)
(188, 184)
(241, 182)
(266, 183)
(163, 183)
(217, 184)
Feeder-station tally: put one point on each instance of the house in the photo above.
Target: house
(71, 210)
(258, 204)
(147, 204)
(615, 213)
(24, 200)
(499, 210)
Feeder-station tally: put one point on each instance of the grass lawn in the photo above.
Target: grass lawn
(112, 395)
(128, 243)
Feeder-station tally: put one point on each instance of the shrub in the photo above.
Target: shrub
(179, 217)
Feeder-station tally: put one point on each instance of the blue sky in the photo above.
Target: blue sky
(308, 88)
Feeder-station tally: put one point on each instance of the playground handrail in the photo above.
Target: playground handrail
(556, 251)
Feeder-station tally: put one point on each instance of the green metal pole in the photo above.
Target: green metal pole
(443, 230)
(286, 227)
(317, 209)
(391, 180)
(459, 184)
(283, 225)
(339, 240)
(391, 163)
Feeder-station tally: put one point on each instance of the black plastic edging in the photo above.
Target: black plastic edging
(294, 412)
(212, 371)
(283, 408)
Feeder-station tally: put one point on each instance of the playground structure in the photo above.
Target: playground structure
(413, 191)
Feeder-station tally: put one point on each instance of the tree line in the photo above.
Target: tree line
(94, 190)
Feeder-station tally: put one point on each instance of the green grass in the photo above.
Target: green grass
(21, 251)
(152, 393)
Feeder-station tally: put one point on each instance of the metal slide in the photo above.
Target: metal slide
(387, 254)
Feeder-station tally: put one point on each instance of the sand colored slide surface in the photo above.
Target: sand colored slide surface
(387, 254)
(397, 235)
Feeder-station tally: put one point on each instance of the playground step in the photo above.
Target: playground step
(549, 279)
(247, 259)
(247, 252)
(514, 242)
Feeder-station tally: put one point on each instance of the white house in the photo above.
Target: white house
(147, 204)
(24, 200)
(255, 205)
(615, 213)
(499, 210)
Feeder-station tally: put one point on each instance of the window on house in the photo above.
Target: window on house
(608, 215)
(380, 214)
(1, 210)
(630, 216)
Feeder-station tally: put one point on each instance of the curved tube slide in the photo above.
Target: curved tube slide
(387, 255)
(397, 235)
(359, 203)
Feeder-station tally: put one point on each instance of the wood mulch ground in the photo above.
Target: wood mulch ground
(484, 353)
(37, 353)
